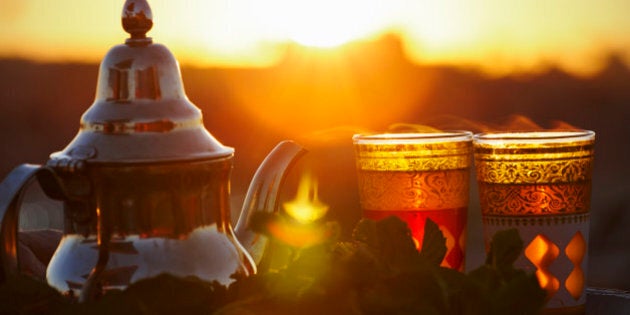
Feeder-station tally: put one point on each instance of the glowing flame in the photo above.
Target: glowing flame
(306, 207)
(300, 235)
(300, 228)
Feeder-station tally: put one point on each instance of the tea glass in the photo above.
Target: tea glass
(416, 176)
(540, 184)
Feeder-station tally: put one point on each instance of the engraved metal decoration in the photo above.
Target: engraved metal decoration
(522, 200)
(414, 190)
(536, 171)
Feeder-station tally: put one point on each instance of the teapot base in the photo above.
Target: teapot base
(207, 253)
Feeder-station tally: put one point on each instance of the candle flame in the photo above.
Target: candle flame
(300, 227)
(306, 207)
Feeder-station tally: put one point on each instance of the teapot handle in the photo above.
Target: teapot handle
(11, 191)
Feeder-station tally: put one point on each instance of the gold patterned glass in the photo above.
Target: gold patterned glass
(416, 176)
(540, 184)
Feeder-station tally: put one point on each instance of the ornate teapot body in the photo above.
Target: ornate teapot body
(145, 186)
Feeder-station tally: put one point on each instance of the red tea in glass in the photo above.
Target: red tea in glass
(416, 176)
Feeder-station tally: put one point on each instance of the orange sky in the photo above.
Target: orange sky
(498, 35)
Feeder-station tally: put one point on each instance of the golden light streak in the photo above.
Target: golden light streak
(302, 225)
(306, 207)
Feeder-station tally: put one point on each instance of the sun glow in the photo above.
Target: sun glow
(497, 35)
(323, 23)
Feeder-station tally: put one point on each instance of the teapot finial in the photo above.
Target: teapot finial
(137, 20)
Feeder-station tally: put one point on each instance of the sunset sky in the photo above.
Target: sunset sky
(498, 35)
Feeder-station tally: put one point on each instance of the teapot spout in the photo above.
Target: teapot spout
(262, 195)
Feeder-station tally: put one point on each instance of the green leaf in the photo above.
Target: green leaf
(505, 248)
(498, 288)
(379, 271)
(25, 295)
(162, 294)
(521, 295)
(390, 246)
(365, 232)
(433, 244)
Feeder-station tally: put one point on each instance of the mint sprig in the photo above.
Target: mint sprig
(377, 271)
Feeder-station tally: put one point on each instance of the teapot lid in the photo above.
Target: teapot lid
(141, 112)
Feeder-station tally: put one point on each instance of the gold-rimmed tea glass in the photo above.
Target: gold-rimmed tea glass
(416, 176)
(540, 184)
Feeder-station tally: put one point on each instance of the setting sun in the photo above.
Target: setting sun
(498, 36)
(325, 23)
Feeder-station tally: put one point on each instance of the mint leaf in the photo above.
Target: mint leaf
(379, 271)
(520, 295)
(433, 244)
(389, 244)
(25, 295)
(162, 294)
(505, 248)
(497, 287)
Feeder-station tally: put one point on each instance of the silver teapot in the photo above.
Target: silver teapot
(145, 187)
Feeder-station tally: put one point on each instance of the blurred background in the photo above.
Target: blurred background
(319, 71)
